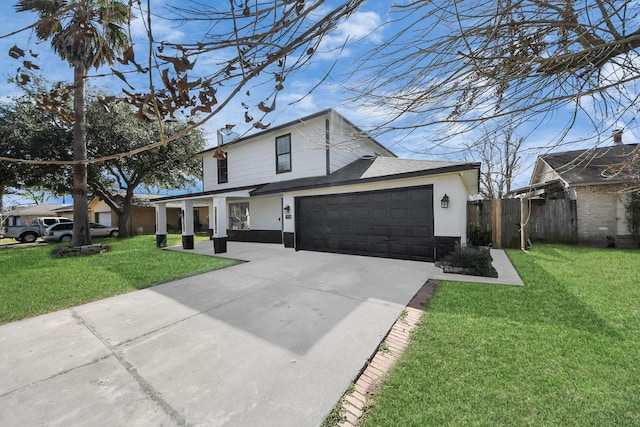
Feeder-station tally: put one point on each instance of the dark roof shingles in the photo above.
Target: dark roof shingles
(367, 169)
(590, 166)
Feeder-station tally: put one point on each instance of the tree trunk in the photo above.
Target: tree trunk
(125, 214)
(81, 234)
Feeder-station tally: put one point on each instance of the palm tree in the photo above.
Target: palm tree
(86, 34)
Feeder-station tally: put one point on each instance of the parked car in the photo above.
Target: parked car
(29, 233)
(63, 232)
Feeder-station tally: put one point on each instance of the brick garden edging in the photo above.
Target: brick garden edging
(355, 401)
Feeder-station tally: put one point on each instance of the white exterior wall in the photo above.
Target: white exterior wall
(254, 162)
(266, 213)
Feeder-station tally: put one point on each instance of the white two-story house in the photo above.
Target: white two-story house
(320, 183)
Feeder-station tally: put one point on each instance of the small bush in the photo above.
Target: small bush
(478, 237)
(472, 260)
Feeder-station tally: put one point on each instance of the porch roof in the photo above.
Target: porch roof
(202, 194)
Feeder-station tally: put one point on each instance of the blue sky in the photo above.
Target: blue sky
(363, 30)
(292, 102)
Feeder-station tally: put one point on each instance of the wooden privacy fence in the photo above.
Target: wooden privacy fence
(552, 221)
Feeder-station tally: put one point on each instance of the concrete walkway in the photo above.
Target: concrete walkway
(272, 342)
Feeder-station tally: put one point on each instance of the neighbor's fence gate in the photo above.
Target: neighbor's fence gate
(552, 221)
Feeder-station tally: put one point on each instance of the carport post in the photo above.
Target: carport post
(187, 224)
(219, 225)
(161, 225)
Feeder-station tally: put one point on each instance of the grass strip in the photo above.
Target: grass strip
(33, 282)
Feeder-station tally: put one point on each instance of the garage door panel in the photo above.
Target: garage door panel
(333, 215)
(423, 196)
(422, 252)
(421, 231)
(379, 230)
(345, 199)
(379, 248)
(379, 214)
(419, 213)
(346, 215)
(398, 196)
(362, 230)
(394, 223)
(399, 231)
(399, 250)
(399, 213)
(362, 213)
(379, 198)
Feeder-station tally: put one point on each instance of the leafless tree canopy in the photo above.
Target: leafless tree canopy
(243, 41)
(458, 64)
(500, 154)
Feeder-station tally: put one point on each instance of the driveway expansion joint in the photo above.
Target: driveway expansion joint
(144, 385)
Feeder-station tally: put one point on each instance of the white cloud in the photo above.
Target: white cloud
(360, 27)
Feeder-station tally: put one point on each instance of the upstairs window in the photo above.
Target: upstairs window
(283, 153)
(223, 176)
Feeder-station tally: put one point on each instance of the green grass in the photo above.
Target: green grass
(33, 282)
(564, 350)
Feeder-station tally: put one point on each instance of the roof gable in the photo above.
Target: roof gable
(329, 112)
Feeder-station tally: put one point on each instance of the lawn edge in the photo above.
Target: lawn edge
(353, 405)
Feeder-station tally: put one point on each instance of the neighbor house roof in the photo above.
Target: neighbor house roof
(139, 200)
(43, 209)
(592, 166)
(368, 170)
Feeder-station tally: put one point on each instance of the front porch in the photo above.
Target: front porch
(226, 216)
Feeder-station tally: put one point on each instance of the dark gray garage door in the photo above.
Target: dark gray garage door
(394, 223)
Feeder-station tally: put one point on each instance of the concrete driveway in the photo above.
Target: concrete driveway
(271, 342)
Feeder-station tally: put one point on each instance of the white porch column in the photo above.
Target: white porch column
(212, 218)
(187, 224)
(220, 224)
(161, 225)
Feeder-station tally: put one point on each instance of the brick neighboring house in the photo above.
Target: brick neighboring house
(589, 178)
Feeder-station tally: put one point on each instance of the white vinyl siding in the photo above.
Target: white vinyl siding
(254, 162)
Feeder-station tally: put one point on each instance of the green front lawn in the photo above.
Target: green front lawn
(564, 350)
(33, 282)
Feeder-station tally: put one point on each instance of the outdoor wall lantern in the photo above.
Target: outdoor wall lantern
(287, 209)
(444, 202)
